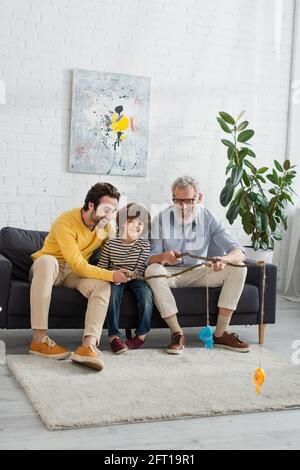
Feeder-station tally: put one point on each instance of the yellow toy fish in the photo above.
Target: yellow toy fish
(259, 379)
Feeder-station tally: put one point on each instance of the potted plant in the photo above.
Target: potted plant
(259, 196)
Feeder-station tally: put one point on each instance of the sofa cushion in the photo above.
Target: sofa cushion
(17, 245)
(70, 303)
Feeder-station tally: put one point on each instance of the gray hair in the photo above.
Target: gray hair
(185, 182)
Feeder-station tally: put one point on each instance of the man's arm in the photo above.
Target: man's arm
(103, 262)
(236, 256)
(168, 257)
(73, 256)
(227, 244)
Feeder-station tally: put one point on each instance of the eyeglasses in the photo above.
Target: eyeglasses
(184, 202)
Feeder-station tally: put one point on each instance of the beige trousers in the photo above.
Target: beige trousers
(47, 272)
(232, 280)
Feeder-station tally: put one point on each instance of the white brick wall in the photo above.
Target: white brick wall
(203, 56)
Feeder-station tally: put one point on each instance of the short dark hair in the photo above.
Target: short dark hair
(97, 192)
(131, 212)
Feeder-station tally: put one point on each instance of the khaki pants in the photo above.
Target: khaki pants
(47, 272)
(232, 280)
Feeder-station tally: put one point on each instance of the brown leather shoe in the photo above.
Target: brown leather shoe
(231, 342)
(177, 345)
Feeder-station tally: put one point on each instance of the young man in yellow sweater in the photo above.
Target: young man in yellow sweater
(63, 261)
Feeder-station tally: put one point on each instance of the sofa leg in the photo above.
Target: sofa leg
(262, 333)
(128, 333)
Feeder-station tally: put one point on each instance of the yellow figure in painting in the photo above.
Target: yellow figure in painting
(119, 124)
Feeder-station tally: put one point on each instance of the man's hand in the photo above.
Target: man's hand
(120, 276)
(236, 257)
(218, 266)
(171, 257)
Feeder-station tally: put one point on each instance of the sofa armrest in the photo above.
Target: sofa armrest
(5, 280)
(255, 277)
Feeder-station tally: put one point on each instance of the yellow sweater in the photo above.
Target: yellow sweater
(71, 241)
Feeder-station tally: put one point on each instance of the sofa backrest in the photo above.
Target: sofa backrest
(17, 245)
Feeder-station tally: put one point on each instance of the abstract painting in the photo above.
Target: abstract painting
(110, 123)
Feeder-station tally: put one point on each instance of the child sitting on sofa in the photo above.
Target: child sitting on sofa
(130, 250)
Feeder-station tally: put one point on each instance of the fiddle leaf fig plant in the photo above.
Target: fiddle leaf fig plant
(259, 196)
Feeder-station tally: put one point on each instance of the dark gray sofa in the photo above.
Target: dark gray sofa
(68, 306)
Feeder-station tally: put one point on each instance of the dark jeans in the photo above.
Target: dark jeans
(144, 298)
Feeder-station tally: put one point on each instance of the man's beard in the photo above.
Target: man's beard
(185, 217)
(100, 222)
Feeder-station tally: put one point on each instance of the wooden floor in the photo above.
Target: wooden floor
(21, 428)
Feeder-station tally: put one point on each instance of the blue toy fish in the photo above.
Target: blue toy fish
(206, 335)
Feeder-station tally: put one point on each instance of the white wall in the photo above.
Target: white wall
(203, 56)
(294, 120)
(288, 251)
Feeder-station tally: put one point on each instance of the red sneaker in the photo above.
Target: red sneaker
(117, 346)
(134, 343)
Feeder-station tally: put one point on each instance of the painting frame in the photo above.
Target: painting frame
(109, 123)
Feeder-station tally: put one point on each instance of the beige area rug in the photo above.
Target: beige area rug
(149, 385)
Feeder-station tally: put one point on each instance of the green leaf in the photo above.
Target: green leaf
(258, 221)
(287, 197)
(262, 201)
(278, 236)
(287, 165)
(233, 212)
(246, 179)
(227, 118)
(227, 194)
(272, 179)
(271, 244)
(248, 229)
(256, 245)
(264, 221)
(249, 165)
(243, 153)
(236, 176)
(263, 170)
(278, 166)
(275, 174)
(242, 126)
(251, 153)
(224, 126)
(253, 196)
(245, 136)
(231, 153)
(229, 144)
(273, 223)
(247, 223)
(261, 178)
(229, 167)
(239, 195)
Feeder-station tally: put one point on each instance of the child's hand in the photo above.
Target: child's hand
(120, 276)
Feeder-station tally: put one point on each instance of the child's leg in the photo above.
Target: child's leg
(113, 314)
(144, 298)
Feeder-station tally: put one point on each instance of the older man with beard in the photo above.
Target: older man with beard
(188, 226)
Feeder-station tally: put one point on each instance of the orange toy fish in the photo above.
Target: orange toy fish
(259, 379)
